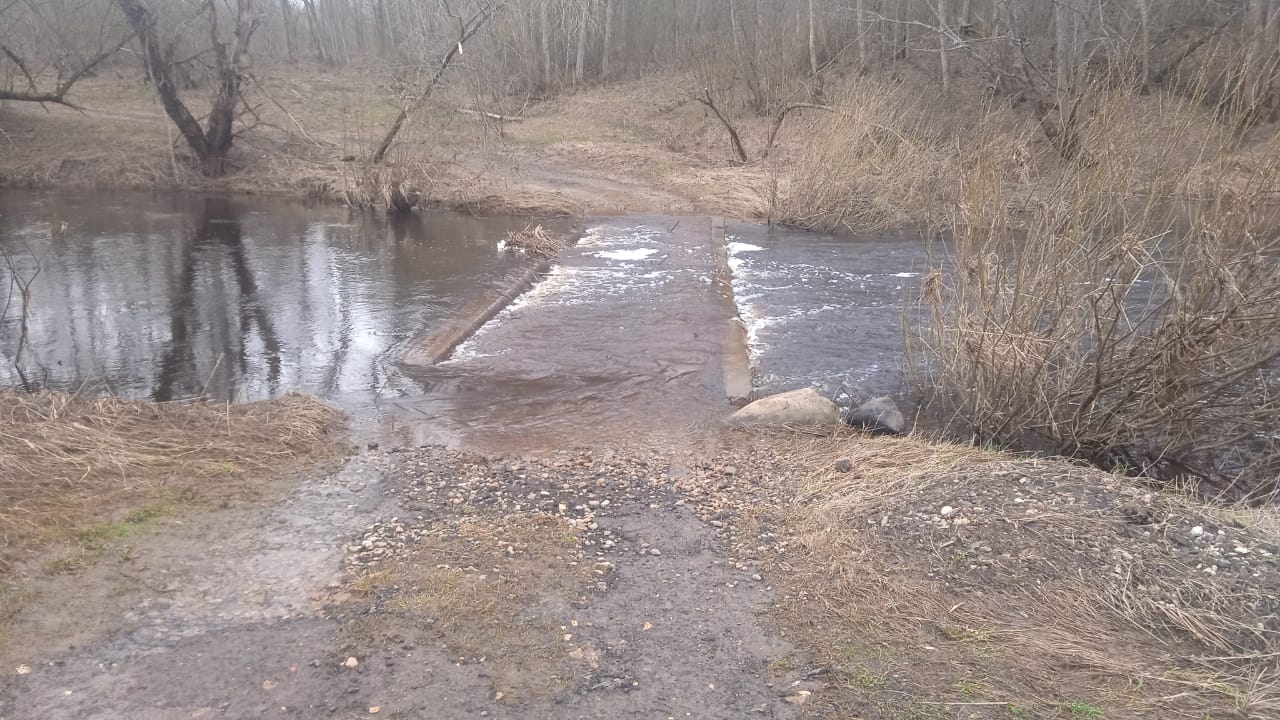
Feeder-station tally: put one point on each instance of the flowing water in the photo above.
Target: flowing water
(172, 296)
(824, 311)
(621, 340)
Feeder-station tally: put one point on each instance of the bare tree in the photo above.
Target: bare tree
(466, 30)
(607, 45)
(813, 50)
(36, 45)
(581, 56)
(1144, 42)
(212, 142)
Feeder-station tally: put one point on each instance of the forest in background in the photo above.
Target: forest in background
(751, 56)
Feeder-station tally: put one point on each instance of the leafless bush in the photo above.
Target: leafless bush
(874, 162)
(1105, 321)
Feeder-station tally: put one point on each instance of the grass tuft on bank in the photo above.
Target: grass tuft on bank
(79, 468)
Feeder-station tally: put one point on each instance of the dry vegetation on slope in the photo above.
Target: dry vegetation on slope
(90, 469)
(937, 581)
(886, 155)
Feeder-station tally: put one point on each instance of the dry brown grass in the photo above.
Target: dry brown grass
(876, 162)
(917, 621)
(886, 157)
(489, 587)
(71, 461)
(1103, 319)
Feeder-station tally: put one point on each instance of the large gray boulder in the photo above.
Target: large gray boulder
(880, 416)
(804, 408)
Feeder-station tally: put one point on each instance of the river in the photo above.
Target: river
(166, 297)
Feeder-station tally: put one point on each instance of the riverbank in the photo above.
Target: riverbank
(311, 142)
(672, 565)
(881, 155)
(81, 472)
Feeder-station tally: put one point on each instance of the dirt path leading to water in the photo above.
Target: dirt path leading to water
(528, 580)
(424, 583)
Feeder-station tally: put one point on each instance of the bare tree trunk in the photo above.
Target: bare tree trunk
(212, 143)
(286, 19)
(1144, 43)
(313, 22)
(384, 28)
(860, 26)
(607, 46)
(1064, 42)
(738, 148)
(544, 24)
(733, 27)
(580, 59)
(898, 23)
(944, 60)
(813, 50)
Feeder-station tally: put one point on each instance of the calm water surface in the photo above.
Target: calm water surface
(169, 296)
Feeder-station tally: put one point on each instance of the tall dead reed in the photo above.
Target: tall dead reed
(1108, 317)
(875, 162)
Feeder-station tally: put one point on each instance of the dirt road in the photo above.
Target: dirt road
(424, 583)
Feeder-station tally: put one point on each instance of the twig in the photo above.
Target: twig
(707, 100)
(254, 82)
(777, 124)
(490, 115)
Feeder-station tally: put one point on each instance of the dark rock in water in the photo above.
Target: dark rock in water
(843, 466)
(880, 416)
(373, 446)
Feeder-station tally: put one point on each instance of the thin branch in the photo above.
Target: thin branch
(254, 82)
(466, 30)
(57, 96)
(777, 123)
(31, 81)
(706, 99)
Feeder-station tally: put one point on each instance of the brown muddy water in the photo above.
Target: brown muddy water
(622, 340)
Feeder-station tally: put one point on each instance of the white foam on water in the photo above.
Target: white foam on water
(595, 237)
(632, 254)
(555, 281)
(736, 247)
(906, 275)
(576, 285)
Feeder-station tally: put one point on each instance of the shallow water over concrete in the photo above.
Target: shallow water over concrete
(622, 339)
(172, 296)
(823, 311)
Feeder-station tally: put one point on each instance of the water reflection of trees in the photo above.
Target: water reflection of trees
(213, 252)
(172, 296)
